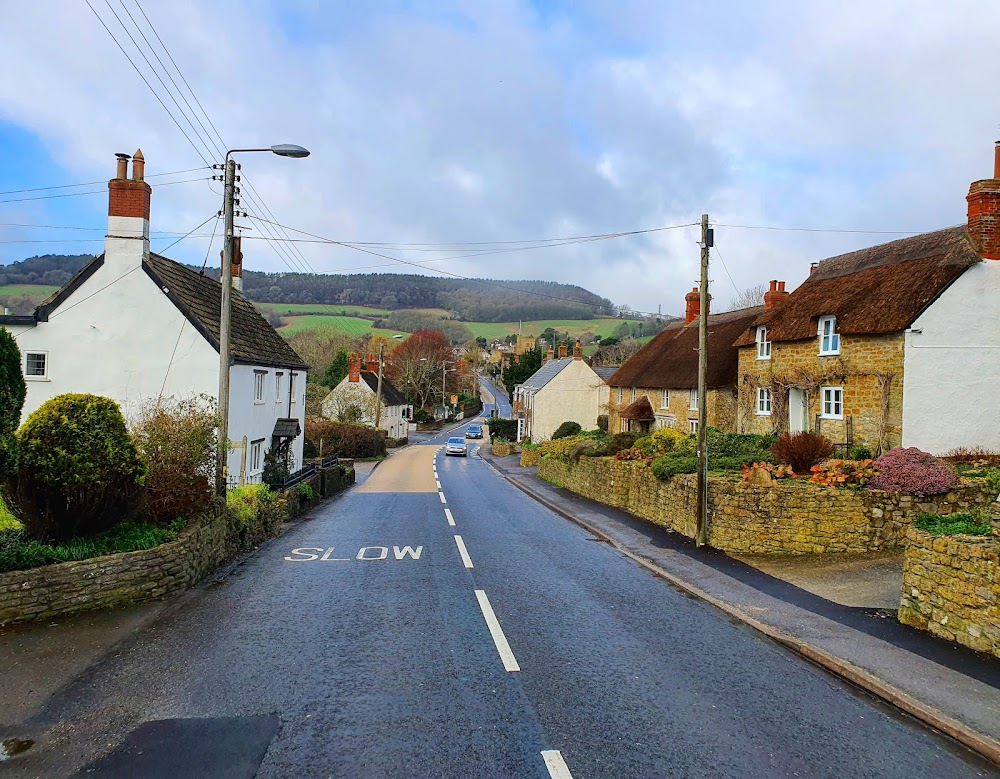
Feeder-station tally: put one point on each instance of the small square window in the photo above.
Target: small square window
(258, 386)
(763, 345)
(692, 425)
(829, 338)
(833, 402)
(36, 365)
(693, 400)
(763, 402)
(665, 398)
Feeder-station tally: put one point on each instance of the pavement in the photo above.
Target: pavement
(821, 609)
(434, 621)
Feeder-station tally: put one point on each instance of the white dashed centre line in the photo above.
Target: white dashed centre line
(438, 483)
(449, 517)
(441, 495)
(463, 551)
(556, 765)
(503, 648)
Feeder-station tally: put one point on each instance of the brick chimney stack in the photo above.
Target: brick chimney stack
(577, 350)
(563, 351)
(693, 308)
(984, 211)
(775, 294)
(354, 367)
(237, 266)
(127, 242)
(372, 364)
(549, 355)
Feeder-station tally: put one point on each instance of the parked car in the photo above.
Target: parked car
(456, 446)
(474, 431)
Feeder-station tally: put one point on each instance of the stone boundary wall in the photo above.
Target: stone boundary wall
(789, 517)
(951, 588)
(129, 577)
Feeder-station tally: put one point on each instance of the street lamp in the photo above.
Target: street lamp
(226, 280)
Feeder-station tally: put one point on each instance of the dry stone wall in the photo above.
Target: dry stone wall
(951, 588)
(131, 577)
(789, 517)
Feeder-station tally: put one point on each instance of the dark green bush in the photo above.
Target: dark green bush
(503, 428)
(12, 393)
(602, 423)
(344, 439)
(77, 471)
(613, 445)
(736, 444)
(670, 465)
(567, 429)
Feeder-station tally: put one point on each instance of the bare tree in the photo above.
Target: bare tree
(350, 403)
(616, 354)
(748, 298)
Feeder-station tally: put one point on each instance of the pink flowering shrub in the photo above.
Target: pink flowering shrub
(913, 471)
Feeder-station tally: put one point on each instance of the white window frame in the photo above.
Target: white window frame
(44, 375)
(693, 399)
(692, 425)
(764, 402)
(256, 459)
(258, 386)
(632, 395)
(620, 393)
(291, 385)
(832, 403)
(829, 338)
(278, 381)
(763, 345)
(664, 398)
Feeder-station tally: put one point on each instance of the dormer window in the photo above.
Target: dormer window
(763, 345)
(829, 338)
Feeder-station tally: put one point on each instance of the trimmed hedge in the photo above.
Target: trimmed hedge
(567, 429)
(503, 428)
(345, 439)
(669, 465)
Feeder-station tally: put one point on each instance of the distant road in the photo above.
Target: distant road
(500, 395)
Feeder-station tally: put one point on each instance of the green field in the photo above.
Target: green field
(320, 308)
(39, 291)
(495, 330)
(353, 325)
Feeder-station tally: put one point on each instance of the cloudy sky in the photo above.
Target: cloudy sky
(509, 120)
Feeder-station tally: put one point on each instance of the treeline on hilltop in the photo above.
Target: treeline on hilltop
(469, 300)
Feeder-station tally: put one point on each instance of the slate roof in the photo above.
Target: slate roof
(878, 290)
(546, 373)
(390, 395)
(199, 298)
(670, 360)
(605, 372)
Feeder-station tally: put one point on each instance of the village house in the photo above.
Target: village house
(135, 326)
(564, 389)
(657, 387)
(893, 345)
(354, 400)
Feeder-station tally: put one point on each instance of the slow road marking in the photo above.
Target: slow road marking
(503, 648)
(556, 765)
(311, 554)
(449, 517)
(463, 551)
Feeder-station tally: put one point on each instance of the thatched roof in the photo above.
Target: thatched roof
(878, 290)
(670, 361)
(640, 410)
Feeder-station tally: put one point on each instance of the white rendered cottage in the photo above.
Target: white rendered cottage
(134, 326)
(566, 389)
(354, 400)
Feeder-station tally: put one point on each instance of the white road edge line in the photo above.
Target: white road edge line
(441, 495)
(449, 517)
(506, 655)
(463, 551)
(556, 765)
(437, 483)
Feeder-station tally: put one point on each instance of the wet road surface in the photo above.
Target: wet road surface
(437, 622)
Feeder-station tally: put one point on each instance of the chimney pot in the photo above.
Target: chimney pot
(138, 165)
(996, 160)
(563, 350)
(578, 350)
(122, 171)
(372, 364)
(775, 295)
(781, 286)
(774, 285)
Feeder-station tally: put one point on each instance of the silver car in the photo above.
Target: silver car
(456, 446)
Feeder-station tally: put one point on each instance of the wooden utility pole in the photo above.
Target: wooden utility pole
(226, 280)
(701, 534)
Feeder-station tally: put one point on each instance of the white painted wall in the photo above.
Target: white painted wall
(115, 335)
(576, 394)
(951, 370)
(394, 420)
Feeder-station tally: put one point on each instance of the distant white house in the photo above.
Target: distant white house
(566, 389)
(353, 400)
(134, 326)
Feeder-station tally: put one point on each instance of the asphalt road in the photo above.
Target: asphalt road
(407, 630)
(497, 390)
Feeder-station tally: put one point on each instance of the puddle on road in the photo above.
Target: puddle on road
(13, 747)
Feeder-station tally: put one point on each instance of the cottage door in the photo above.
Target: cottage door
(796, 410)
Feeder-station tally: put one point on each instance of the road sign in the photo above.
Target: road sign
(454, 400)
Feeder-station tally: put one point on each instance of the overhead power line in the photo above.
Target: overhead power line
(94, 183)
(91, 192)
